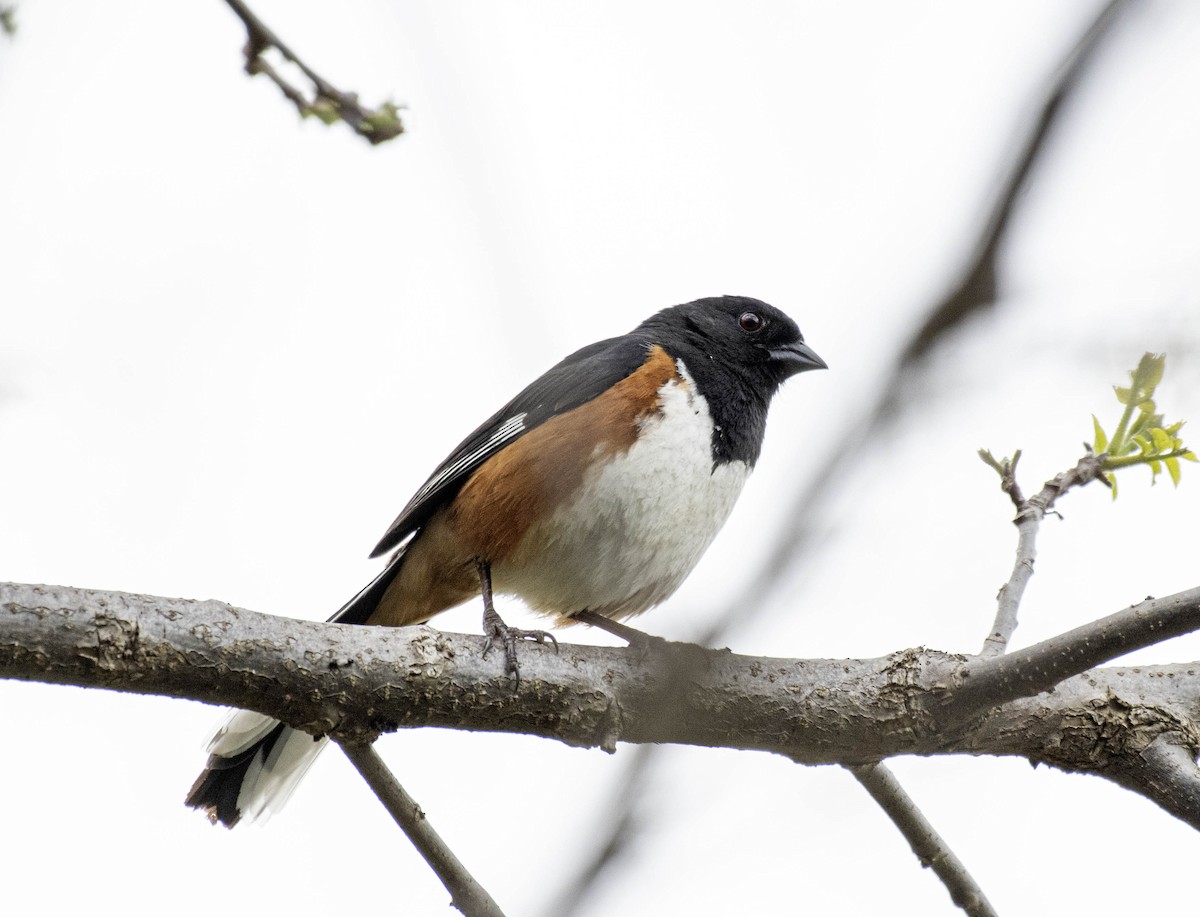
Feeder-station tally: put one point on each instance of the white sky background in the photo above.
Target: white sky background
(232, 344)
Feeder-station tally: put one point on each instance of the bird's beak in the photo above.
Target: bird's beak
(797, 358)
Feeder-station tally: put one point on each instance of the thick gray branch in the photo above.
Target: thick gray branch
(1136, 727)
(354, 682)
(1165, 773)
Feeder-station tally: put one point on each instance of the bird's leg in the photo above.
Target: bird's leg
(630, 635)
(648, 649)
(495, 629)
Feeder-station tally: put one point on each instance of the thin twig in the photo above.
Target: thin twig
(931, 850)
(1028, 521)
(466, 894)
(328, 102)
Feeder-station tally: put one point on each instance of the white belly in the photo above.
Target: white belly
(637, 526)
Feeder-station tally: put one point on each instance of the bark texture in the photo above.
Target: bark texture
(1137, 726)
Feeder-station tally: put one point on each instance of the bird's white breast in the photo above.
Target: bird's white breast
(639, 522)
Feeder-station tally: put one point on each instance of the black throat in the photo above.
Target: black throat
(738, 405)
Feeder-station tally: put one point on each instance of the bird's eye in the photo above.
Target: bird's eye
(750, 322)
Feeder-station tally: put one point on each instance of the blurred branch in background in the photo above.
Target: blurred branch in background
(623, 826)
(328, 103)
(972, 291)
(976, 287)
(8, 19)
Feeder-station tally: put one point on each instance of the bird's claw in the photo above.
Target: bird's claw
(499, 632)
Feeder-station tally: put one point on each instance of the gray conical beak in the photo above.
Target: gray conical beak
(798, 357)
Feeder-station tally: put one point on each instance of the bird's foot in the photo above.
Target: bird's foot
(497, 632)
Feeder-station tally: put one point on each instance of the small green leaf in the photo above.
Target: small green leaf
(1149, 371)
(323, 110)
(1141, 436)
(1145, 421)
(1100, 442)
(1173, 469)
(385, 120)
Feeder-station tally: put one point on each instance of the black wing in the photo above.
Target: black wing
(577, 379)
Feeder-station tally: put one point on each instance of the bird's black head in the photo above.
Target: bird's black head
(747, 336)
(739, 351)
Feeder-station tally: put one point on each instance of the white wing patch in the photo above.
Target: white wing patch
(507, 431)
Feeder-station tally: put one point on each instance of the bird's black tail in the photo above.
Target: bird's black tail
(255, 761)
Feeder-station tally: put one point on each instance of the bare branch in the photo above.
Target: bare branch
(354, 682)
(1007, 469)
(932, 851)
(328, 102)
(466, 894)
(1030, 514)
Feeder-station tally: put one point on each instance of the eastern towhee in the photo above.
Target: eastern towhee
(591, 496)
